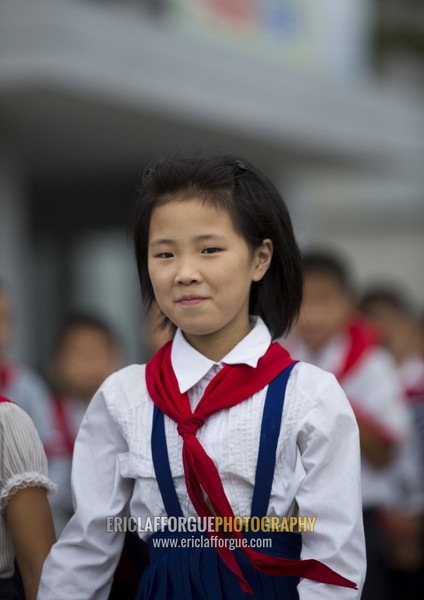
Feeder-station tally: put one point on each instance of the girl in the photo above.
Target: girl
(26, 525)
(221, 423)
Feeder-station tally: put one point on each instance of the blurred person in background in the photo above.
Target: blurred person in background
(18, 382)
(400, 333)
(26, 524)
(421, 333)
(387, 308)
(85, 352)
(329, 334)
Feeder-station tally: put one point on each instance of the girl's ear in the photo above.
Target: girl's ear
(262, 259)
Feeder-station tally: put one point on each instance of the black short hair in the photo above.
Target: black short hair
(385, 294)
(81, 319)
(258, 211)
(328, 264)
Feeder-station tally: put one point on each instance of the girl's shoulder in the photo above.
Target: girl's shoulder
(313, 388)
(307, 378)
(125, 389)
(130, 375)
(11, 412)
(15, 420)
(18, 433)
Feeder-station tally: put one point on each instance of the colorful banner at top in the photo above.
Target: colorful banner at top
(280, 30)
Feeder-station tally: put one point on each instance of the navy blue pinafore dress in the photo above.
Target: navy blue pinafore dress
(199, 573)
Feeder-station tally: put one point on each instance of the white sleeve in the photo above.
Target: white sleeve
(82, 563)
(23, 462)
(328, 442)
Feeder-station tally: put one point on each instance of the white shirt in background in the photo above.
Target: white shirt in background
(374, 386)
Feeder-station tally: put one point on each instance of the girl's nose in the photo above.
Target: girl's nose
(187, 273)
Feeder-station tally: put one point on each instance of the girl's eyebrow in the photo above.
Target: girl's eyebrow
(161, 241)
(209, 236)
(198, 238)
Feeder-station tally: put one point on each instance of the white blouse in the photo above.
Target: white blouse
(317, 471)
(23, 464)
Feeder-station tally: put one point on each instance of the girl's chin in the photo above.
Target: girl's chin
(197, 332)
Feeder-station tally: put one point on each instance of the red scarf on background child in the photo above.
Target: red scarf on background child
(232, 384)
(363, 339)
(3, 399)
(6, 376)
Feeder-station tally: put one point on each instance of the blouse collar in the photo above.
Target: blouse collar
(190, 366)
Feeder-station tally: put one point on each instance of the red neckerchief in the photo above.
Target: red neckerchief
(6, 375)
(232, 384)
(3, 399)
(362, 338)
(415, 391)
(64, 446)
(415, 395)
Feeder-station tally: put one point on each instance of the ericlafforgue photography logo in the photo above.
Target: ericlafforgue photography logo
(293, 524)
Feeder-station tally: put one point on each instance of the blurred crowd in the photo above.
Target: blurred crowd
(373, 343)
(374, 346)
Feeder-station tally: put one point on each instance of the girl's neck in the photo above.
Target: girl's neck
(217, 345)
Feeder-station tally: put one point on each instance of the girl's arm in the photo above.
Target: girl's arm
(328, 442)
(30, 523)
(82, 563)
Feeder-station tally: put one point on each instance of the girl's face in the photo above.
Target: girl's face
(201, 271)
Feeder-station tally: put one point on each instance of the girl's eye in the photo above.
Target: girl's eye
(211, 250)
(164, 255)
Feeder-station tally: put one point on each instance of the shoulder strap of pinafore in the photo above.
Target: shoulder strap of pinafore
(162, 468)
(270, 430)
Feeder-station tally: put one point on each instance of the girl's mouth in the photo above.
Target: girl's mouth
(191, 300)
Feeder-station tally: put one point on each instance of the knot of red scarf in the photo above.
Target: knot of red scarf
(189, 425)
(232, 384)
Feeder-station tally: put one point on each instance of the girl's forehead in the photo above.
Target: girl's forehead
(191, 220)
(219, 201)
(190, 212)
